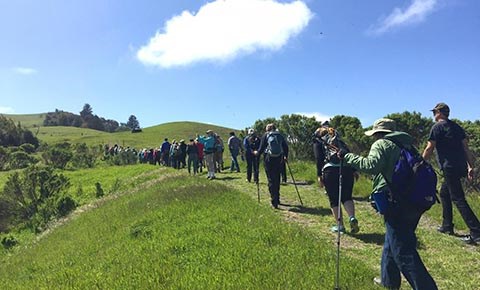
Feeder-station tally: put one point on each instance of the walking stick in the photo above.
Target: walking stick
(258, 191)
(294, 183)
(339, 212)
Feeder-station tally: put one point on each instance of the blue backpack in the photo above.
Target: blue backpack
(414, 180)
(274, 144)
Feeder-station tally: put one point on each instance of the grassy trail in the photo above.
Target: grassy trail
(450, 262)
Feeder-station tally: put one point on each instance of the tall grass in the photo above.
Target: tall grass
(181, 234)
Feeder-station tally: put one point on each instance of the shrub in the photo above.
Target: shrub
(30, 196)
(9, 241)
(84, 157)
(58, 156)
(65, 205)
(20, 159)
(98, 190)
(28, 148)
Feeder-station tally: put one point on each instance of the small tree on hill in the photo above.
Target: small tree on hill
(133, 123)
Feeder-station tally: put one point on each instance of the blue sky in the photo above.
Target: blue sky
(232, 62)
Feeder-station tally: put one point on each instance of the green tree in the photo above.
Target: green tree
(414, 124)
(86, 112)
(133, 123)
(352, 132)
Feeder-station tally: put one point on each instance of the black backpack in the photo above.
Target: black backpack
(331, 144)
(274, 144)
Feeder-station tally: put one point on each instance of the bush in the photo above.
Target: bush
(31, 195)
(65, 205)
(99, 190)
(28, 148)
(20, 159)
(58, 156)
(9, 241)
(84, 157)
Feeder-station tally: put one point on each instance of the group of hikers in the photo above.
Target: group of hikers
(337, 170)
(402, 213)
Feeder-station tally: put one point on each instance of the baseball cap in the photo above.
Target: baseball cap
(442, 107)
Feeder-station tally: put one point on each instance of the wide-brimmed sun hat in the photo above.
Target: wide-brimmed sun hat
(383, 125)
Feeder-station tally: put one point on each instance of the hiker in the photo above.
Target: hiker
(275, 152)
(192, 153)
(200, 154)
(218, 154)
(400, 247)
(182, 154)
(175, 154)
(456, 161)
(235, 147)
(251, 143)
(329, 169)
(165, 152)
(209, 152)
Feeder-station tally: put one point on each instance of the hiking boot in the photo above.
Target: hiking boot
(335, 229)
(354, 228)
(446, 230)
(469, 240)
(378, 281)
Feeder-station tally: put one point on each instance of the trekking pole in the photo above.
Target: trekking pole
(339, 212)
(294, 183)
(257, 181)
(258, 190)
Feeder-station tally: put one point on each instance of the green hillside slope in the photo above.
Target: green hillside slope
(149, 137)
(27, 120)
(180, 233)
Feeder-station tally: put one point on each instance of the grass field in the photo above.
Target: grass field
(158, 228)
(180, 233)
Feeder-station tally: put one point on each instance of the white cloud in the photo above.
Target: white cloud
(24, 70)
(318, 116)
(6, 110)
(415, 13)
(223, 29)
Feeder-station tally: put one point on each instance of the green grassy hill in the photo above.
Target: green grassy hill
(158, 228)
(27, 120)
(149, 137)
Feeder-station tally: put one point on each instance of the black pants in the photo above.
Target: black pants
(252, 165)
(452, 191)
(273, 168)
(331, 181)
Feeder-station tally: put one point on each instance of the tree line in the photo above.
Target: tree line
(86, 119)
(299, 130)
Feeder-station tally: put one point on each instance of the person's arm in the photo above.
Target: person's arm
(470, 158)
(427, 153)
(262, 146)
(372, 164)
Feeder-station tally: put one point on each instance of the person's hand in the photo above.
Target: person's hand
(341, 153)
(285, 158)
(255, 153)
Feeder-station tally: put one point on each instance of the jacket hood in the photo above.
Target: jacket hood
(400, 137)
